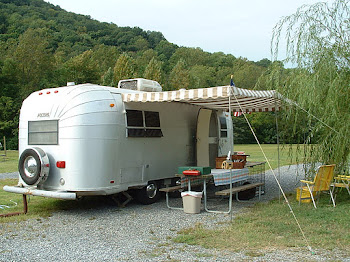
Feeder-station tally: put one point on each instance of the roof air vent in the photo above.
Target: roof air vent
(140, 84)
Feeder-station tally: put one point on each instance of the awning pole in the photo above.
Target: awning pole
(229, 112)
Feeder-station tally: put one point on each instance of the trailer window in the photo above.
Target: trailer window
(134, 118)
(223, 127)
(152, 119)
(143, 124)
(43, 132)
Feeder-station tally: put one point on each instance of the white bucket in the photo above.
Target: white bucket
(191, 201)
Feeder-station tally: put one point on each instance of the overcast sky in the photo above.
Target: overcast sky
(241, 28)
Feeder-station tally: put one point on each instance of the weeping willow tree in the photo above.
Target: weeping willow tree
(317, 42)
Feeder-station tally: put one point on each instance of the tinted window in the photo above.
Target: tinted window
(223, 124)
(223, 127)
(153, 133)
(134, 132)
(223, 133)
(152, 119)
(143, 124)
(134, 118)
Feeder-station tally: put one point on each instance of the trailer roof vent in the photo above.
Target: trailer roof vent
(140, 84)
(70, 84)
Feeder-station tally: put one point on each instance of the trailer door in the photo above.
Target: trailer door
(226, 135)
(207, 138)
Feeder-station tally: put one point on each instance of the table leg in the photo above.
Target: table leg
(167, 202)
(216, 211)
(205, 194)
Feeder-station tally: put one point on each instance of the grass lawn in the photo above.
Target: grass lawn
(268, 226)
(39, 207)
(271, 152)
(8, 163)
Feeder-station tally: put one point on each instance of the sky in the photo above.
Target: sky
(241, 28)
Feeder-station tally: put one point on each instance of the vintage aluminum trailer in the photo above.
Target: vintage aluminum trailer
(88, 139)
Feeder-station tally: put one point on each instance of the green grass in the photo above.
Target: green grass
(37, 206)
(271, 153)
(267, 226)
(270, 225)
(8, 163)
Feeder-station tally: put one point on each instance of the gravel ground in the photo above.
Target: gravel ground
(137, 233)
(9, 175)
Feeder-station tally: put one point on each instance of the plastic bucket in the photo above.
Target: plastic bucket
(304, 194)
(191, 201)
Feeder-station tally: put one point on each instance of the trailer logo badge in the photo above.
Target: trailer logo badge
(43, 115)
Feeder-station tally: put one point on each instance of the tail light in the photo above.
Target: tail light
(61, 164)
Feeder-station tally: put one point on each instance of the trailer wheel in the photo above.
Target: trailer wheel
(148, 194)
(33, 166)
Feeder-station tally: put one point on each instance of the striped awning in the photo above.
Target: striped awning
(214, 98)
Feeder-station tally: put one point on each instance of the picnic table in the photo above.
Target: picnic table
(235, 178)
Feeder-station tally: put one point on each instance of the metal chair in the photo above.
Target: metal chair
(341, 182)
(322, 183)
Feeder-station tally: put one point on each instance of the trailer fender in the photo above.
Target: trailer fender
(33, 166)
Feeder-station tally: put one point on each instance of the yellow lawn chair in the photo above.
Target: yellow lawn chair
(341, 182)
(322, 183)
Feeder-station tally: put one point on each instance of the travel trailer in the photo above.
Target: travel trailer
(86, 139)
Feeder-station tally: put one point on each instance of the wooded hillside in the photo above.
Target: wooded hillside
(43, 46)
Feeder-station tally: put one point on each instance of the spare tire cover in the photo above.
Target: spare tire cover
(33, 166)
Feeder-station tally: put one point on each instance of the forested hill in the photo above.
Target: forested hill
(42, 46)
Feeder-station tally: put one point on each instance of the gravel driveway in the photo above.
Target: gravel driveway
(135, 233)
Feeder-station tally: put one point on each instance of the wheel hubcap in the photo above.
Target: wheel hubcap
(151, 190)
(30, 166)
